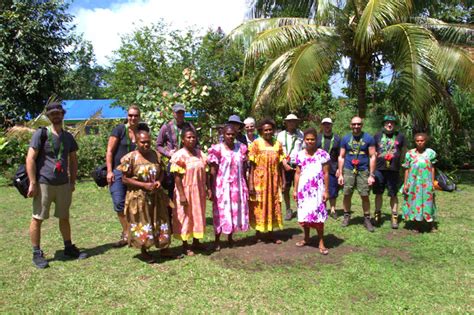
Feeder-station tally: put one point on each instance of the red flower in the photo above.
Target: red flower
(355, 162)
(388, 157)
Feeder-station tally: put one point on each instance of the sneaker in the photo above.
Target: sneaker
(377, 217)
(368, 225)
(121, 242)
(38, 259)
(394, 221)
(73, 252)
(289, 215)
(345, 221)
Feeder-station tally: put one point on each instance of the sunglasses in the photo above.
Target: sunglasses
(356, 124)
(132, 115)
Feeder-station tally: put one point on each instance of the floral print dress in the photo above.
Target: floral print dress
(419, 202)
(265, 205)
(230, 206)
(311, 208)
(190, 221)
(145, 212)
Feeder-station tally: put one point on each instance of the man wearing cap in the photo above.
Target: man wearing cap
(331, 143)
(356, 169)
(390, 146)
(51, 163)
(235, 121)
(292, 141)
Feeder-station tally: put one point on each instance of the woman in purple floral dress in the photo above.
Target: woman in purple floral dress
(311, 188)
(230, 193)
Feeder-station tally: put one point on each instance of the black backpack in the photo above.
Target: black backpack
(100, 175)
(21, 180)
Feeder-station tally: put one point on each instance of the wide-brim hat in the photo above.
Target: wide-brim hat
(54, 107)
(235, 119)
(326, 120)
(389, 118)
(292, 117)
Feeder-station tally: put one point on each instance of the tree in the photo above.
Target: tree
(151, 56)
(84, 77)
(33, 39)
(424, 53)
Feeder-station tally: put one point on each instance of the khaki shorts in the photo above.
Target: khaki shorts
(358, 181)
(61, 195)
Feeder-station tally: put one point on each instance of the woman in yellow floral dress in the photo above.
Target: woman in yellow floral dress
(265, 181)
(146, 202)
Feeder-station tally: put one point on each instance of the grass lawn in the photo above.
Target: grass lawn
(388, 271)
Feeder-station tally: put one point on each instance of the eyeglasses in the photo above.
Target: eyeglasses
(356, 124)
(132, 115)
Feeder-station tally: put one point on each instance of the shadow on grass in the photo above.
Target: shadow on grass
(421, 227)
(94, 251)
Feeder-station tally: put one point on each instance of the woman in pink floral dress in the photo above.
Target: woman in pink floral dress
(230, 194)
(311, 188)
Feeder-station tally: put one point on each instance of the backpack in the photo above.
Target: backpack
(445, 182)
(100, 175)
(21, 180)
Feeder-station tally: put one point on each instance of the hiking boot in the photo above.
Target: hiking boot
(121, 242)
(368, 225)
(394, 220)
(289, 215)
(73, 252)
(377, 218)
(345, 221)
(38, 259)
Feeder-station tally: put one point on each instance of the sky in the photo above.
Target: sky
(103, 22)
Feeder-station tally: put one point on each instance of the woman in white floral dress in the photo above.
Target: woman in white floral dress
(311, 188)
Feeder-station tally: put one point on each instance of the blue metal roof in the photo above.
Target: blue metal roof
(85, 109)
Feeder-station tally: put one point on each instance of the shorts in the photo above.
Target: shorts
(289, 178)
(118, 191)
(358, 181)
(61, 195)
(389, 179)
(333, 186)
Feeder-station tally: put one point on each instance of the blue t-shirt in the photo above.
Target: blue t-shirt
(357, 147)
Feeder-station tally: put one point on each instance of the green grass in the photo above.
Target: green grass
(383, 272)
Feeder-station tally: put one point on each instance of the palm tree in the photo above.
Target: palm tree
(423, 53)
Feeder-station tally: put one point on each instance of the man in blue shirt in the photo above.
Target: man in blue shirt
(357, 162)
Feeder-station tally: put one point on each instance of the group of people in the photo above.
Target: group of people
(244, 175)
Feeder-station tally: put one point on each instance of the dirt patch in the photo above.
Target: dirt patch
(398, 234)
(395, 254)
(259, 256)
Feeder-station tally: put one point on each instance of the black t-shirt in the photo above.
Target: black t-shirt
(392, 144)
(46, 162)
(124, 146)
(335, 148)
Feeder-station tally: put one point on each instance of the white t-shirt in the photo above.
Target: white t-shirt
(292, 143)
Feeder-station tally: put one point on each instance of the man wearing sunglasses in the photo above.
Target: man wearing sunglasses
(357, 162)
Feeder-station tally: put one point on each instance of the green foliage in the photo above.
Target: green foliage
(83, 78)
(33, 39)
(151, 56)
(92, 149)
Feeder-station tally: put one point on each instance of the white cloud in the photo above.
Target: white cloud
(103, 27)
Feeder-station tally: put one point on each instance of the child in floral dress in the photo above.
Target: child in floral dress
(311, 188)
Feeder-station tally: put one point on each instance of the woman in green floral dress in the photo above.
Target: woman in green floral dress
(418, 188)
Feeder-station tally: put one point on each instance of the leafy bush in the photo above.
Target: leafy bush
(92, 149)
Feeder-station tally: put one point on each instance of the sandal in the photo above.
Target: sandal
(147, 257)
(188, 252)
(277, 241)
(301, 243)
(323, 251)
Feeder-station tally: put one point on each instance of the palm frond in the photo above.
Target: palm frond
(246, 32)
(454, 63)
(414, 82)
(267, 8)
(286, 80)
(274, 42)
(457, 34)
(376, 15)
